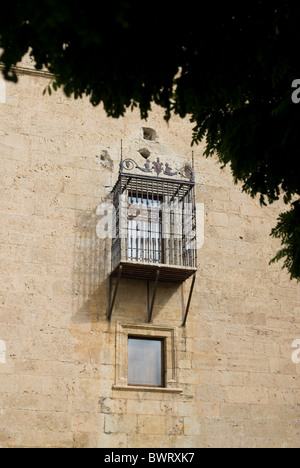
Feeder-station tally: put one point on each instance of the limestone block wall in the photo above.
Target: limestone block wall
(235, 383)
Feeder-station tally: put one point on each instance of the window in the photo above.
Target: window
(146, 359)
(146, 362)
(145, 243)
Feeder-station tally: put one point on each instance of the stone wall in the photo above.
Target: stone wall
(236, 383)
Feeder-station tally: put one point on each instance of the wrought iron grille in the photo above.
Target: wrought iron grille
(155, 217)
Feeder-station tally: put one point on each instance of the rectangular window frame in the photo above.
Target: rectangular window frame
(169, 335)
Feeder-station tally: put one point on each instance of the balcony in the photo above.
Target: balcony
(154, 235)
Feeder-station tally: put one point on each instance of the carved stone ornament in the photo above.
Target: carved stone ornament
(158, 168)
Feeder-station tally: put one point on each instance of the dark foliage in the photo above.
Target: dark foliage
(229, 66)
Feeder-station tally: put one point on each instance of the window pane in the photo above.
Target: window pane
(144, 230)
(145, 362)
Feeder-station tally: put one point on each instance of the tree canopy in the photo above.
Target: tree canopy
(228, 66)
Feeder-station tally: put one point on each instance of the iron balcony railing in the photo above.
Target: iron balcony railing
(155, 217)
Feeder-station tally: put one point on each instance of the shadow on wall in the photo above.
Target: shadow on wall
(90, 270)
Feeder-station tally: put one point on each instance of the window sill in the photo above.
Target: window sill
(147, 389)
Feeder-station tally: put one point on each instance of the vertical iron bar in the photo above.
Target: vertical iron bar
(131, 226)
(143, 223)
(126, 226)
(167, 212)
(160, 216)
(173, 234)
(150, 221)
(195, 227)
(123, 227)
(182, 229)
(137, 221)
(173, 253)
(159, 255)
(188, 229)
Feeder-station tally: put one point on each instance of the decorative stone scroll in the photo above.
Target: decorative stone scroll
(158, 168)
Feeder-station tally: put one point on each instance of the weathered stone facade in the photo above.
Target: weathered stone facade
(60, 361)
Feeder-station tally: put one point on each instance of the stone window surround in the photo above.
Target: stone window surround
(145, 331)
